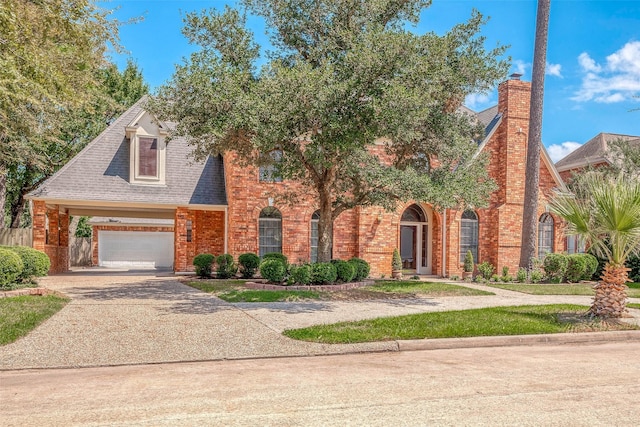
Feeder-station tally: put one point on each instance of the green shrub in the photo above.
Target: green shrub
(555, 267)
(249, 264)
(633, 262)
(227, 268)
(10, 267)
(590, 267)
(486, 270)
(346, 270)
(396, 261)
(536, 276)
(203, 264)
(35, 263)
(301, 274)
(323, 273)
(361, 267)
(495, 278)
(273, 270)
(276, 255)
(521, 275)
(576, 266)
(468, 262)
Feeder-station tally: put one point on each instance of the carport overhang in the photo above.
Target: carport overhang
(51, 222)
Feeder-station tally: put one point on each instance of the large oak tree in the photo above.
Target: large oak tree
(51, 51)
(341, 75)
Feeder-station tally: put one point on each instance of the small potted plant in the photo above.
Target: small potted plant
(467, 269)
(396, 265)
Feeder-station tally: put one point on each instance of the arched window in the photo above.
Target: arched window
(269, 171)
(413, 214)
(270, 231)
(469, 235)
(313, 243)
(545, 235)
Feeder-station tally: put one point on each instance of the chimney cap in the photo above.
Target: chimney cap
(516, 76)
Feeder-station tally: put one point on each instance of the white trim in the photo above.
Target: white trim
(444, 242)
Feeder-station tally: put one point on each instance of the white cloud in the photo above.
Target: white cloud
(559, 151)
(616, 81)
(476, 101)
(553, 70)
(520, 67)
(588, 64)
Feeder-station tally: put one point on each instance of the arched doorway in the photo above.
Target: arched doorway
(415, 240)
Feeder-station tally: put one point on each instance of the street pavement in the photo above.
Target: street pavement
(539, 385)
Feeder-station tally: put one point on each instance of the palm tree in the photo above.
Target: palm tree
(606, 214)
(532, 173)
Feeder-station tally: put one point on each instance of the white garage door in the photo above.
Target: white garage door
(135, 249)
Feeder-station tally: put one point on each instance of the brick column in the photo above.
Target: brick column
(183, 249)
(54, 225)
(39, 222)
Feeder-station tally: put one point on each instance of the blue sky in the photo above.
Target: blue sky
(593, 74)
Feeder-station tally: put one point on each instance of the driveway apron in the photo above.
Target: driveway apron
(119, 320)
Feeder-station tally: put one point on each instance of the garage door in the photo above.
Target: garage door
(135, 249)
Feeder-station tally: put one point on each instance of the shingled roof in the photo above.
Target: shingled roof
(592, 152)
(100, 173)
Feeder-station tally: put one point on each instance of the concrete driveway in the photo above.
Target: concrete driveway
(135, 317)
(118, 318)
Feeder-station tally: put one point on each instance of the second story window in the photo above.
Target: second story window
(269, 171)
(148, 157)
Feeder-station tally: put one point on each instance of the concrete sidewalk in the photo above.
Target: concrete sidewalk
(117, 319)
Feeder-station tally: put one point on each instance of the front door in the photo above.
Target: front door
(415, 243)
(408, 246)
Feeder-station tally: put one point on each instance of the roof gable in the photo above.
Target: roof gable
(591, 152)
(100, 172)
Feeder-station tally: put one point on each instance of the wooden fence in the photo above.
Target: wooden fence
(15, 237)
(79, 247)
(80, 251)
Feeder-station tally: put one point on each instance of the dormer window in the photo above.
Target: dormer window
(148, 157)
(148, 150)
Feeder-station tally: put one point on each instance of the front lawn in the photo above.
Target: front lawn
(560, 289)
(425, 288)
(20, 315)
(217, 286)
(260, 295)
(521, 320)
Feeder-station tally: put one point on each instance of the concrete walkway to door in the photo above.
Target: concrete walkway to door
(117, 319)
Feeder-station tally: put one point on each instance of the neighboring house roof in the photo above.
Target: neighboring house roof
(592, 152)
(100, 173)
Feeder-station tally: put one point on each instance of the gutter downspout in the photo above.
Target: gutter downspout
(444, 242)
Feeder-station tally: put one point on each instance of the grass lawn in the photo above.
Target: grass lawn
(560, 289)
(259, 295)
(20, 315)
(234, 291)
(424, 288)
(521, 320)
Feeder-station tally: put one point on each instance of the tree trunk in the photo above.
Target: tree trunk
(17, 209)
(73, 225)
(325, 226)
(611, 296)
(3, 193)
(532, 173)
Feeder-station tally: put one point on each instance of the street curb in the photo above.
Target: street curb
(518, 340)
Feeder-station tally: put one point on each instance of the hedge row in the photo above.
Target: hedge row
(21, 265)
(275, 268)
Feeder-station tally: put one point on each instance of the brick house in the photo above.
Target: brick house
(171, 208)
